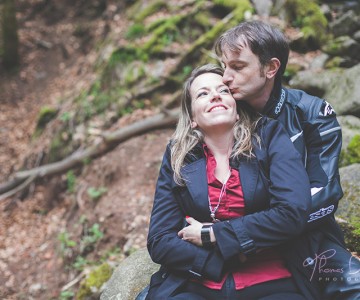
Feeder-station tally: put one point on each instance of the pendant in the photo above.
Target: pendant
(212, 215)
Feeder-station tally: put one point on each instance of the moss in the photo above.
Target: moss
(46, 114)
(336, 46)
(334, 62)
(163, 35)
(354, 149)
(127, 54)
(291, 70)
(207, 40)
(307, 15)
(351, 235)
(94, 281)
(352, 153)
(135, 31)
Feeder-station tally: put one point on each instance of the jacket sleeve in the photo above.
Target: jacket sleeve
(288, 200)
(167, 219)
(323, 139)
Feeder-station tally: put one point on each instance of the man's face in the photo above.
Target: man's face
(244, 75)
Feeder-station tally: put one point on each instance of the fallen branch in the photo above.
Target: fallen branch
(109, 141)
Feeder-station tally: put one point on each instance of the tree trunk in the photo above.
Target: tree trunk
(10, 36)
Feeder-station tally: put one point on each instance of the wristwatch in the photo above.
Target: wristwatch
(205, 236)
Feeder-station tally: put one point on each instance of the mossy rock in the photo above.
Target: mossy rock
(291, 71)
(307, 15)
(94, 281)
(348, 211)
(60, 146)
(351, 234)
(351, 154)
(46, 114)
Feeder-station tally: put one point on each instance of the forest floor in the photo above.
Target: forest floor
(57, 64)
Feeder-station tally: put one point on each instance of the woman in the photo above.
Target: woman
(240, 185)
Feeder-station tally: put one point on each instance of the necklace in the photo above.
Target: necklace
(222, 192)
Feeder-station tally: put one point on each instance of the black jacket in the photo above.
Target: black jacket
(313, 128)
(276, 206)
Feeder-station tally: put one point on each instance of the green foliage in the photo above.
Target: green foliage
(90, 238)
(135, 31)
(96, 193)
(66, 244)
(65, 117)
(66, 295)
(127, 54)
(94, 281)
(70, 181)
(80, 263)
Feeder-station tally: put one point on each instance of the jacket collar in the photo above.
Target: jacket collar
(275, 103)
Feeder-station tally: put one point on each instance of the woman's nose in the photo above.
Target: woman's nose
(215, 96)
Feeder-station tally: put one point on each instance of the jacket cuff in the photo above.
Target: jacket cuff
(207, 263)
(231, 242)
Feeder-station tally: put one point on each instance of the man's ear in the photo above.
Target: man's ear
(272, 67)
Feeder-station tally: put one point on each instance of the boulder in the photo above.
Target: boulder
(348, 212)
(339, 87)
(350, 126)
(130, 277)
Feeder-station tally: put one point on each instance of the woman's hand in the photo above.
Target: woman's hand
(192, 233)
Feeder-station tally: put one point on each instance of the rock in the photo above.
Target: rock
(348, 211)
(130, 277)
(350, 126)
(339, 87)
(263, 7)
(347, 24)
(343, 46)
(319, 61)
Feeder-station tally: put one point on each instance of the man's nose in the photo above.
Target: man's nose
(227, 78)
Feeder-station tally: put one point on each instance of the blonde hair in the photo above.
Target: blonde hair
(185, 138)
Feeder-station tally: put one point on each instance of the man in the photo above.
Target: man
(254, 56)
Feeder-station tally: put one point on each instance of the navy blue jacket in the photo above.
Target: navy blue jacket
(313, 128)
(276, 207)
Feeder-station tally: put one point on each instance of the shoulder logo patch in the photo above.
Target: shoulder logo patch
(326, 109)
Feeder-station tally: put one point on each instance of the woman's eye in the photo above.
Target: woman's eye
(201, 94)
(225, 91)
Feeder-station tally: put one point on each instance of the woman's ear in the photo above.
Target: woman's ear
(272, 67)
(237, 117)
(193, 124)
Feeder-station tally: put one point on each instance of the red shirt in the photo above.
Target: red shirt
(267, 264)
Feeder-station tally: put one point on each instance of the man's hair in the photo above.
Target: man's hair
(264, 40)
(186, 138)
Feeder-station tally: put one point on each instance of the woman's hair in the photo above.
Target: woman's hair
(264, 40)
(185, 138)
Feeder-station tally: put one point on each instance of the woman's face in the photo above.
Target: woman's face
(212, 103)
